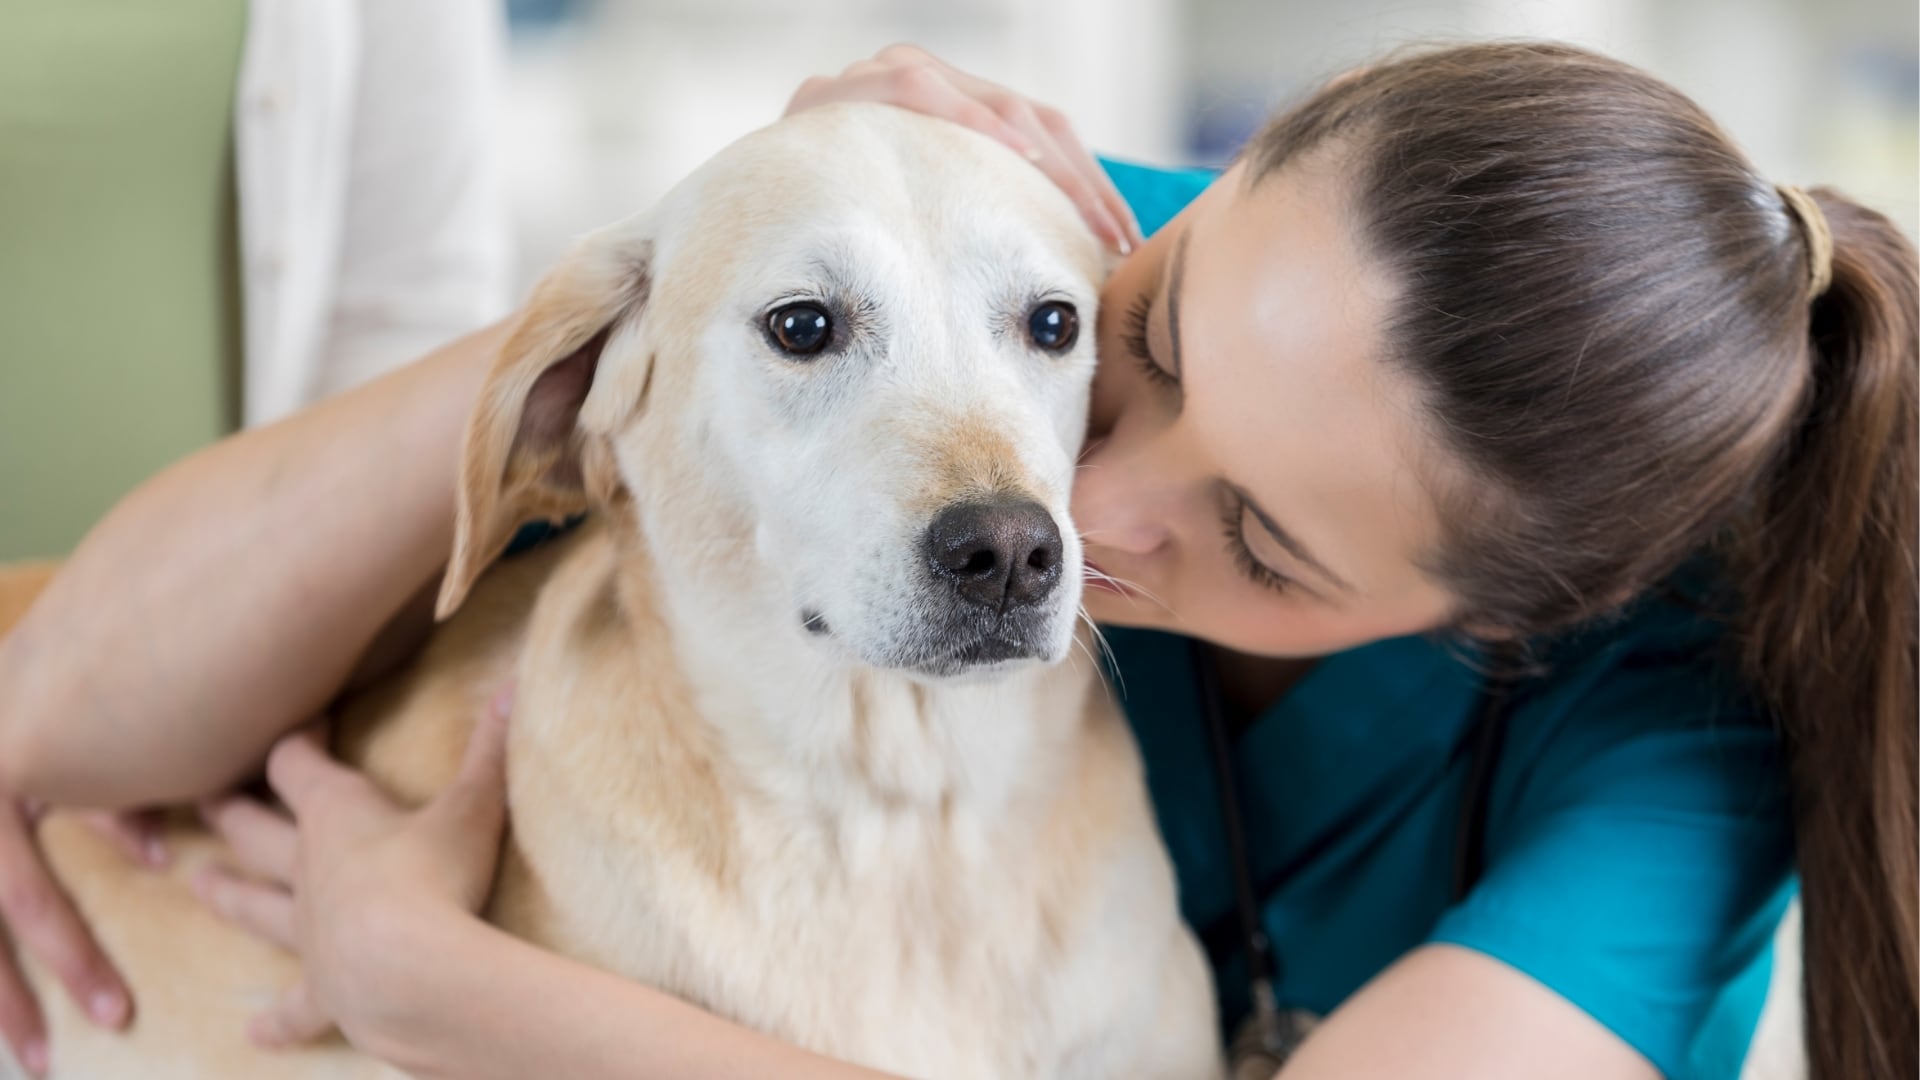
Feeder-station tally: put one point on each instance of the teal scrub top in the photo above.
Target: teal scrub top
(1638, 849)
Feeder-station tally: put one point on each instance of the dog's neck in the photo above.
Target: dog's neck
(813, 730)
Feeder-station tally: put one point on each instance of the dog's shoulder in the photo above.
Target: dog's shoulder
(409, 729)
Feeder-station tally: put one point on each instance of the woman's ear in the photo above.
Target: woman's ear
(521, 458)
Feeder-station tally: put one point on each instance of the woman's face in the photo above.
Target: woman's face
(1250, 468)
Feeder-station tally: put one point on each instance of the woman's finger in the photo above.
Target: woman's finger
(1055, 123)
(266, 844)
(922, 89)
(264, 910)
(1058, 165)
(926, 89)
(136, 833)
(293, 1020)
(904, 52)
(300, 770)
(43, 922)
(912, 78)
(20, 1021)
(1064, 159)
(477, 796)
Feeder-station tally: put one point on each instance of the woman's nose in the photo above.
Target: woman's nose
(1120, 506)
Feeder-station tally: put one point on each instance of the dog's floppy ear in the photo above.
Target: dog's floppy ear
(521, 460)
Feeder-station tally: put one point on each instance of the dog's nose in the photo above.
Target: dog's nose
(998, 553)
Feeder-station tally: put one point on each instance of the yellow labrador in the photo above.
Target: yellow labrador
(799, 735)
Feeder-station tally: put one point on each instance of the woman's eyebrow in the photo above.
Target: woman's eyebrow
(1289, 542)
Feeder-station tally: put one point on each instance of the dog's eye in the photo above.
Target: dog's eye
(1054, 326)
(800, 329)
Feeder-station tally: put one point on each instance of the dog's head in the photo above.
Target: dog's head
(855, 347)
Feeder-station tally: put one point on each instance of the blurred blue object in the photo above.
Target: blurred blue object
(524, 15)
(1221, 121)
(1892, 71)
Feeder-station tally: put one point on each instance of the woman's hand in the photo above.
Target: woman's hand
(378, 902)
(37, 916)
(346, 878)
(914, 79)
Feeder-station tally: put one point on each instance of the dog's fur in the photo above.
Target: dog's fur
(757, 758)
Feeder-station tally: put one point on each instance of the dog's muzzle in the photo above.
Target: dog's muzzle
(995, 565)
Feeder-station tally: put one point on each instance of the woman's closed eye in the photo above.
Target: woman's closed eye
(1233, 516)
(1134, 336)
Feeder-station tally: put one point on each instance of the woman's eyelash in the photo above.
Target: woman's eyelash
(1232, 516)
(1134, 336)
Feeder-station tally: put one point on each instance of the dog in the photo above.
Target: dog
(804, 732)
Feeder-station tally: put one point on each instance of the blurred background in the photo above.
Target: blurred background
(122, 335)
(610, 101)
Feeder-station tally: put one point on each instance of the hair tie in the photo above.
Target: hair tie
(1813, 226)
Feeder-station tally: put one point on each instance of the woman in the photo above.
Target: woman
(1501, 344)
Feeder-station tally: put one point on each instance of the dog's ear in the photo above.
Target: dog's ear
(521, 460)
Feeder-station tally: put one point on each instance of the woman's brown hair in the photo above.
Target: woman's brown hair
(1622, 337)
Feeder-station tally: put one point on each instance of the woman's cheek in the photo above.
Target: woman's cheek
(1089, 501)
(1108, 397)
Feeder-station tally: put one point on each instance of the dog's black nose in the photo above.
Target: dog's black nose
(998, 553)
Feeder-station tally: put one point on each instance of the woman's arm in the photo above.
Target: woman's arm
(1447, 1013)
(501, 1008)
(228, 598)
(378, 903)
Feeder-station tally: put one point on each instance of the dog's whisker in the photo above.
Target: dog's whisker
(1081, 647)
(1136, 588)
(1102, 575)
(1106, 650)
(1106, 647)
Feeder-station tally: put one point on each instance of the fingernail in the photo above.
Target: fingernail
(1034, 155)
(154, 850)
(1126, 246)
(34, 1056)
(107, 1007)
(502, 704)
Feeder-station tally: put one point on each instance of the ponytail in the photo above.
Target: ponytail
(1830, 640)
